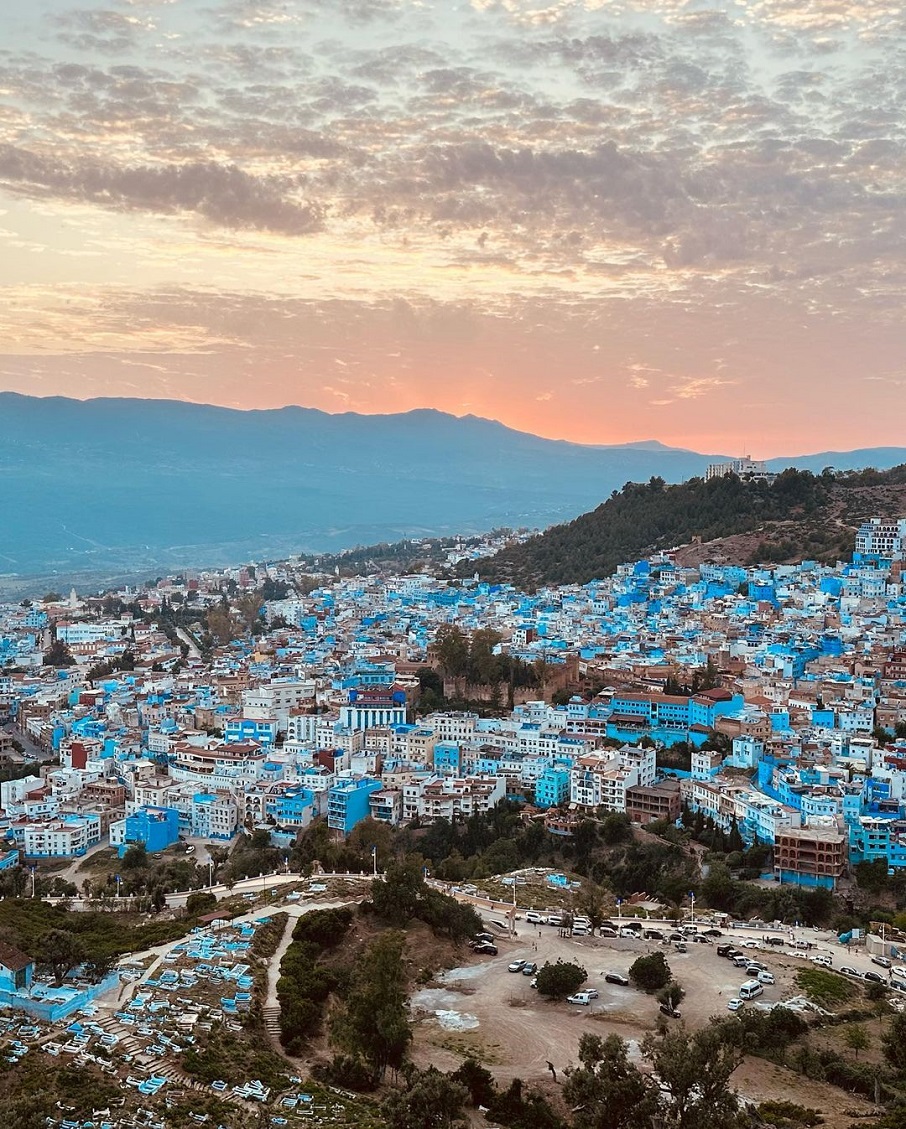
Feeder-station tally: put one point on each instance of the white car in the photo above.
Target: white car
(735, 1004)
(751, 944)
(820, 958)
(583, 998)
(765, 977)
(534, 918)
(633, 934)
(516, 966)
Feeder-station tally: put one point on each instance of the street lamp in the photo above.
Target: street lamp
(32, 869)
(119, 882)
(374, 860)
(619, 907)
(692, 900)
(210, 873)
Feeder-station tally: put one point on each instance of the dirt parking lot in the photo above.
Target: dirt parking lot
(483, 1010)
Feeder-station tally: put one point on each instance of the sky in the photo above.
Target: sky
(596, 220)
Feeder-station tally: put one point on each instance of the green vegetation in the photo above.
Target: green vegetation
(825, 988)
(372, 1026)
(403, 894)
(798, 514)
(305, 981)
(561, 979)
(27, 922)
(221, 1053)
(30, 1092)
(650, 972)
(788, 1115)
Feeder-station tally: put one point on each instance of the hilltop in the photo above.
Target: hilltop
(799, 516)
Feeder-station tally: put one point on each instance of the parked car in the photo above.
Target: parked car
(484, 937)
(580, 931)
(875, 977)
(616, 978)
(516, 966)
(666, 1009)
(606, 931)
(775, 941)
(735, 1003)
(766, 977)
(676, 937)
(653, 935)
(701, 939)
(740, 961)
(712, 933)
(487, 948)
(529, 968)
(724, 950)
(555, 919)
(582, 998)
(848, 970)
(751, 944)
(882, 962)
(820, 958)
(534, 918)
(681, 947)
(633, 934)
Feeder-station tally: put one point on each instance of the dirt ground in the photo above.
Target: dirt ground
(494, 1015)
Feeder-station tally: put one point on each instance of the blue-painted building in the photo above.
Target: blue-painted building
(552, 787)
(157, 828)
(347, 802)
(447, 758)
(239, 730)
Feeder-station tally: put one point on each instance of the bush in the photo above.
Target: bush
(825, 988)
(788, 1114)
(650, 972)
(561, 979)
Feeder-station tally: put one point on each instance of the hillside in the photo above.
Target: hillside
(799, 516)
(106, 488)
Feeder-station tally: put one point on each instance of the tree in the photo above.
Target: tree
(607, 1091)
(672, 994)
(560, 979)
(478, 1081)
(373, 1024)
(58, 654)
(396, 897)
(693, 1073)
(856, 1038)
(60, 951)
(136, 857)
(591, 903)
(452, 649)
(893, 1042)
(432, 1101)
(650, 972)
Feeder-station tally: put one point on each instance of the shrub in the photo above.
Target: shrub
(561, 979)
(825, 988)
(650, 972)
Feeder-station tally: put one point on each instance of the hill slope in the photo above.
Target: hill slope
(799, 516)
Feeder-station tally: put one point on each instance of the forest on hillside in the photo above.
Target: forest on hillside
(799, 510)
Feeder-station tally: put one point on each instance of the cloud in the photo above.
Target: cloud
(223, 194)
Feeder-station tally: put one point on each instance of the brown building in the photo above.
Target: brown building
(658, 801)
(812, 856)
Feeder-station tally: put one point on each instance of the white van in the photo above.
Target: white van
(750, 990)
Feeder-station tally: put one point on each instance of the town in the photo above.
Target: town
(173, 745)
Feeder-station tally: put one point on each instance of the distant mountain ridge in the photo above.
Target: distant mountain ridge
(126, 484)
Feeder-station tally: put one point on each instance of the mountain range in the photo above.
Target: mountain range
(109, 486)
